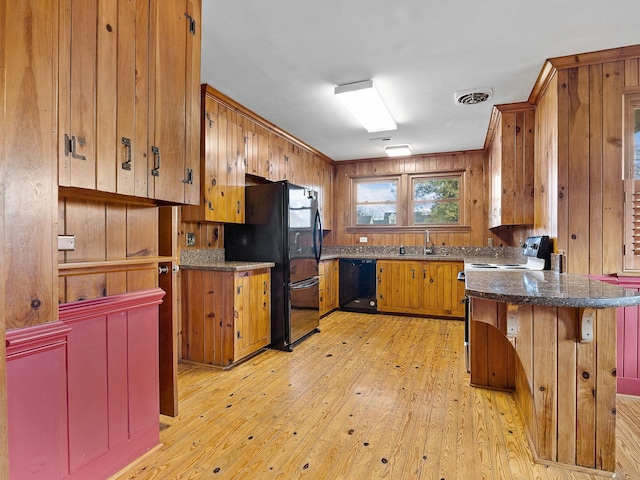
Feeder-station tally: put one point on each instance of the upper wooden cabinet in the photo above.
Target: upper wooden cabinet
(223, 162)
(128, 104)
(511, 165)
(175, 101)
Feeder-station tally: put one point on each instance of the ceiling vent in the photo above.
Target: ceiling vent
(473, 97)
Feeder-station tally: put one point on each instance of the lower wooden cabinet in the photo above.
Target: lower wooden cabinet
(226, 316)
(420, 287)
(328, 272)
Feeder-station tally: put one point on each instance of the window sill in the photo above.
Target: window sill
(384, 228)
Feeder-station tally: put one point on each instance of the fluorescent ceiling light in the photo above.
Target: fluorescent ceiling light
(397, 150)
(364, 102)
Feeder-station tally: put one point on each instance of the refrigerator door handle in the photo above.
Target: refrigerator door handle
(317, 236)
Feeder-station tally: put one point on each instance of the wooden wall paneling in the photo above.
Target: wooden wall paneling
(631, 72)
(545, 389)
(524, 374)
(596, 171)
(605, 390)
(193, 323)
(586, 403)
(613, 191)
(142, 231)
(561, 192)
(568, 378)
(28, 153)
(577, 196)
(116, 246)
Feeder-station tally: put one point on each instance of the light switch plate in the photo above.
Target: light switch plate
(364, 239)
(191, 239)
(66, 242)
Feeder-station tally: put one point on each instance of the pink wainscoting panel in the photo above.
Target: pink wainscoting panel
(37, 402)
(88, 400)
(118, 361)
(113, 354)
(629, 342)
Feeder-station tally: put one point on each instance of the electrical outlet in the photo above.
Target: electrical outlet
(66, 242)
(191, 239)
(364, 239)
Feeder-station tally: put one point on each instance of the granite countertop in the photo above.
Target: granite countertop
(394, 256)
(227, 266)
(547, 288)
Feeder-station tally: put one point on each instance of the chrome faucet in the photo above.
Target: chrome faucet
(427, 249)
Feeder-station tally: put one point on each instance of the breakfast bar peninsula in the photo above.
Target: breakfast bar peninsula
(551, 339)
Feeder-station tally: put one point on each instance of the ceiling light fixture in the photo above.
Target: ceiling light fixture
(364, 102)
(397, 150)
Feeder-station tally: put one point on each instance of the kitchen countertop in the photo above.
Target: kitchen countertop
(227, 266)
(547, 288)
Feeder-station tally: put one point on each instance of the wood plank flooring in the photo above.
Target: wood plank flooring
(371, 396)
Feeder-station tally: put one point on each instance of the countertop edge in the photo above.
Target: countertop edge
(228, 266)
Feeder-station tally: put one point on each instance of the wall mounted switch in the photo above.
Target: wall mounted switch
(191, 239)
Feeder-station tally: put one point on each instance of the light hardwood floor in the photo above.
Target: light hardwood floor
(371, 396)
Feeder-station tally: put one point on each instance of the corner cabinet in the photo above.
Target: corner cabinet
(226, 315)
(511, 165)
(417, 287)
(128, 104)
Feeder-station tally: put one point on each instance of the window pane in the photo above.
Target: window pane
(385, 191)
(376, 202)
(436, 188)
(436, 212)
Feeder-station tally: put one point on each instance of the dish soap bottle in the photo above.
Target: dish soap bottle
(401, 249)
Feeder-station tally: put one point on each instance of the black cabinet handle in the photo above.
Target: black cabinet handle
(155, 171)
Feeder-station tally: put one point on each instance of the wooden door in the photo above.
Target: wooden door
(236, 169)
(252, 313)
(175, 93)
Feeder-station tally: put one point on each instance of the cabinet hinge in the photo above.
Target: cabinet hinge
(192, 24)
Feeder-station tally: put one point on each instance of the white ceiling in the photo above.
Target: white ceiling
(283, 58)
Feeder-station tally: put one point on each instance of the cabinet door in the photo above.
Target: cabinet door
(252, 313)
(78, 83)
(234, 201)
(175, 101)
(399, 286)
(442, 292)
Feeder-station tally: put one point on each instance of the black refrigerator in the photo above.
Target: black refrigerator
(283, 225)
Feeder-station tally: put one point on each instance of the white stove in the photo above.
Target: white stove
(536, 249)
(532, 264)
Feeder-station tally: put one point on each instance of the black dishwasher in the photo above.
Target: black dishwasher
(358, 285)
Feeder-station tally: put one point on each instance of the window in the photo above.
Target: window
(376, 201)
(631, 141)
(408, 200)
(436, 200)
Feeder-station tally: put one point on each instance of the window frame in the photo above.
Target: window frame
(459, 175)
(404, 205)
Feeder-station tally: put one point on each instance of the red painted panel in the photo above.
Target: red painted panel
(117, 378)
(144, 392)
(37, 402)
(87, 377)
(629, 342)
